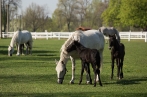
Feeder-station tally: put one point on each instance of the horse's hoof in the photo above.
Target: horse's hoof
(79, 83)
(101, 84)
(71, 82)
(88, 82)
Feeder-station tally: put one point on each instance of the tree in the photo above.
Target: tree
(134, 13)
(126, 13)
(110, 15)
(35, 17)
(67, 9)
(13, 4)
(94, 12)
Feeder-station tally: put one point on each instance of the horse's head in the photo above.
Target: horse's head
(112, 41)
(61, 71)
(10, 50)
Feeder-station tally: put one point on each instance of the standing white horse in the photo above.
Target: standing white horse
(18, 38)
(91, 39)
(110, 31)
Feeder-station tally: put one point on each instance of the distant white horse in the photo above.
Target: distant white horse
(19, 38)
(110, 31)
(91, 39)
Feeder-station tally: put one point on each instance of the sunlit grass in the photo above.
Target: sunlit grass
(35, 75)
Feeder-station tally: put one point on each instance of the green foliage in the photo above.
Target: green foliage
(126, 13)
(110, 15)
(134, 13)
(36, 76)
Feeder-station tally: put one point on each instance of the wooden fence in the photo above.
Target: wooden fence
(46, 35)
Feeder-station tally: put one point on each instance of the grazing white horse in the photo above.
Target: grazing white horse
(18, 38)
(110, 31)
(90, 39)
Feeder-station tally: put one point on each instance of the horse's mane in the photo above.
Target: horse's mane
(13, 40)
(83, 28)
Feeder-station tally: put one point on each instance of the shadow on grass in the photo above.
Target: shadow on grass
(40, 78)
(72, 94)
(131, 81)
(4, 51)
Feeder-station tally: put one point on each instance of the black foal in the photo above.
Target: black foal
(87, 56)
(118, 53)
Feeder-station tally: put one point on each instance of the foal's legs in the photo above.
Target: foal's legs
(98, 72)
(118, 67)
(95, 73)
(112, 67)
(82, 70)
(121, 68)
(88, 76)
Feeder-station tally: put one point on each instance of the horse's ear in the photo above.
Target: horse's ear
(100, 29)
(56, 61)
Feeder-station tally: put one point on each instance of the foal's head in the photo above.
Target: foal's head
(72, 46)
(112, 41)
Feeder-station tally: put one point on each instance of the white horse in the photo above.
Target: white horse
(91, 39)
(18, 38)
(110, 31)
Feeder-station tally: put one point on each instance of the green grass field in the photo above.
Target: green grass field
(36, 76)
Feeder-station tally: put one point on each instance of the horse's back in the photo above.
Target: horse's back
(90, 39)
(26, 37)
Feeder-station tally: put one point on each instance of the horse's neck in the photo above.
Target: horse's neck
(116, 46)
(13, 40)
(64, 57)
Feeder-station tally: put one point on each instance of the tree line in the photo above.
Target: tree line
(122, 14)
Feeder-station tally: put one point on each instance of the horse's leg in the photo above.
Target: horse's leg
(27, 47)
(118, 67)
(121, 63)
(73, 70)
(18, 49)
(82, 70)
(95, 73)
(22, 49)
(101, 62)
(88, 76)
(98, 72)
(30, 44)
(112, 66)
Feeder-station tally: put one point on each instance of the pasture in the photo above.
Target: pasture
(36, 76)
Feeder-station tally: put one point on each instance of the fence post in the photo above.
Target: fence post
(46, 34)
(59, 36)
(35, 35)
(145, 36)
(129, 36)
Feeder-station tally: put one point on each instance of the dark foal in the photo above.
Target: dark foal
(87, 56)
(118, 53)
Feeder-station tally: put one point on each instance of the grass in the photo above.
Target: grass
(36, 76)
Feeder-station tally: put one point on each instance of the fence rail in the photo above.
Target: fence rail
(59, 35)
